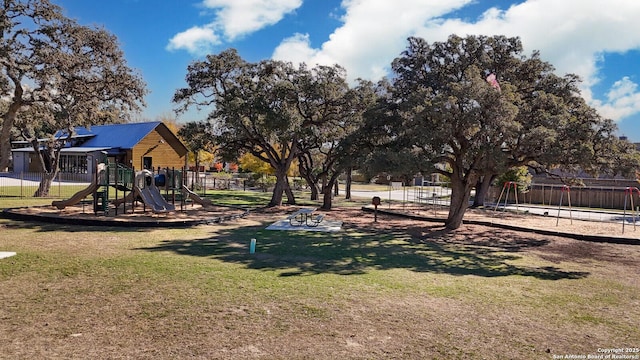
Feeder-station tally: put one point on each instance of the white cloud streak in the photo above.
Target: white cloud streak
(232, 20)
(236, 18)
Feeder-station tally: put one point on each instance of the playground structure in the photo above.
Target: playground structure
(92, 189)
(159, 190)
(146, 187)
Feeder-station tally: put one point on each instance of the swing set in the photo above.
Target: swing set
(630, 193)
(512, 184)
(628, 198)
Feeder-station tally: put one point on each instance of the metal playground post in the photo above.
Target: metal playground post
(567, 189)
(628, 195)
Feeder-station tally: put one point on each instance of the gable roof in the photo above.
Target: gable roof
(124, 136)
(117, 137)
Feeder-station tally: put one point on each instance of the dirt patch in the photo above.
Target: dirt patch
(477, 292)
(530, 221)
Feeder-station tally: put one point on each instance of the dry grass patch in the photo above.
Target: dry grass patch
(394, 289)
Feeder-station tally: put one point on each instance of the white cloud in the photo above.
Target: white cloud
(373, 33)
(296, 49)
(236, 18)
(573, 35)
(232, 19)
(197, 40)
(623, 100)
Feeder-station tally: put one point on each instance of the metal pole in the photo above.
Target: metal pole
(633, 214)
(389, 194)
(559, 205)
(515, 192)
(499, 198)
(624, 214)
(506, 198)
(569, 198)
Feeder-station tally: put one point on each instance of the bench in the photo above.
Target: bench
(315, 220)
(305, 216)
(297, 216)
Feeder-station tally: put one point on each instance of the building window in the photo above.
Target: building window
(73, 164)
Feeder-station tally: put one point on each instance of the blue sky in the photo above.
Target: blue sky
(598, 40)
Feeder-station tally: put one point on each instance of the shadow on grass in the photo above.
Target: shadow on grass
(356, 251)
(46, 227)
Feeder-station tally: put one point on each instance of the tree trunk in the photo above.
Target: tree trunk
(327, 191)
(45, 184)
(315, 192)
(5, 145)
(281, 187)
(291, 199)
(482, 189)
(460, 194)
(347, 185)
(312, 183)
(278, 191)
(8, 121)
(327, 198)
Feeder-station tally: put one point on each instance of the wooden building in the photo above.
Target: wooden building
(137, 145)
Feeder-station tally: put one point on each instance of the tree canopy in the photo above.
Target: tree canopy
(24, 27)
(253, 110)
(272, 110)
(77, 74)
(198, 137)
(479, 106)
(468, 108)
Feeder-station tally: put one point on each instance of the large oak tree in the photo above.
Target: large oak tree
(276, 112)
(88, 83)
(58, 75)
(477, 106)
(253, 110)
(332, 112)
(25, 26)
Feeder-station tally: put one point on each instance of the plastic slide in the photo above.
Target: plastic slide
(150, 194)
(195, 197)
(77, 197)
(129, 198)
(159, 199)
(151, 197)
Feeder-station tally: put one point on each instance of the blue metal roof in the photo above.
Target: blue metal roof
(124, 136)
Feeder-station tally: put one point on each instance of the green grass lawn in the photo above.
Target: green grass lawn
(411, 292)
